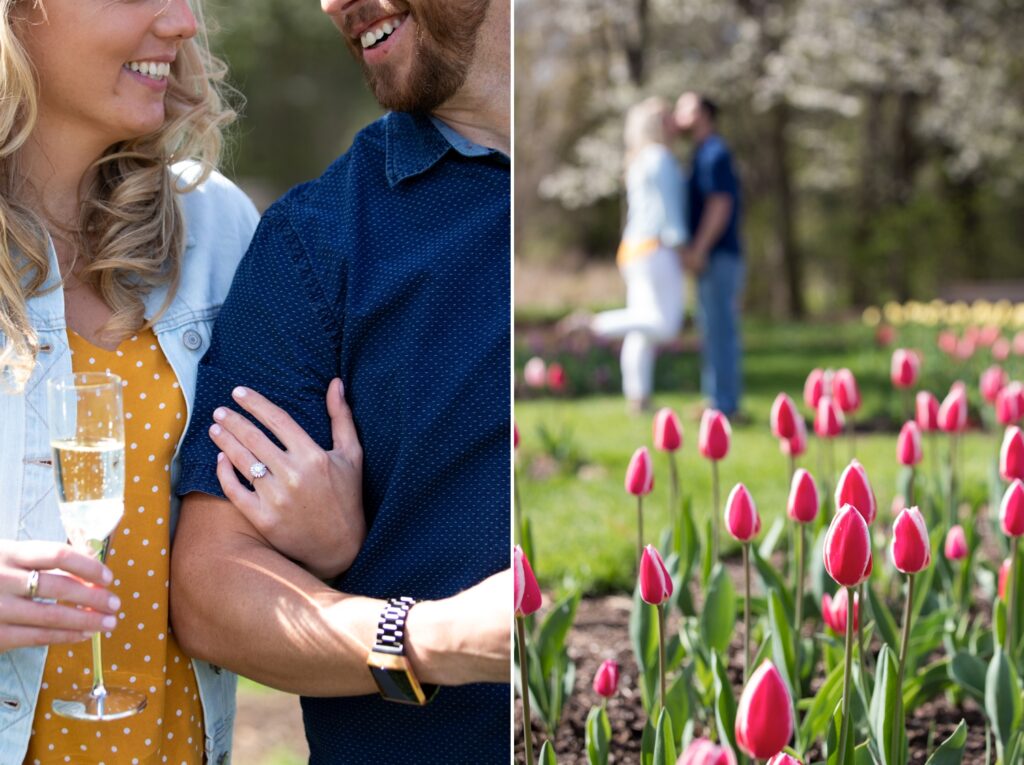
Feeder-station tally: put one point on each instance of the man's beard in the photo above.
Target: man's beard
(444, 48)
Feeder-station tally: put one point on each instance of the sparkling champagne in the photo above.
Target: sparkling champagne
(90, 488)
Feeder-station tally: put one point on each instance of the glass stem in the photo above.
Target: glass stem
(99, 549)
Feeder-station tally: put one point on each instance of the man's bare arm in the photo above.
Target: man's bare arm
(713, 222)
(238, 603)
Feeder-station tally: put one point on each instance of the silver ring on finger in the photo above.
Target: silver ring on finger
(258, 470)
(32, 585)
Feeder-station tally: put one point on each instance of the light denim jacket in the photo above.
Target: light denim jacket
(656, 198)
(219, 222)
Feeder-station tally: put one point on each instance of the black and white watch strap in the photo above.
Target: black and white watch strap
(391, 627)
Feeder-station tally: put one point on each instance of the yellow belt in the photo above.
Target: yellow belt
(634, 249)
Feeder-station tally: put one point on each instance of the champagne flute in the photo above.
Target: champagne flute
(86, 419)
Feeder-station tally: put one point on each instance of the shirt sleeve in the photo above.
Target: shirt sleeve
(274, 335)
(716, 173)
(668, 183)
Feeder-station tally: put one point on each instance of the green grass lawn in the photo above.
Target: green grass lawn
(584, 523)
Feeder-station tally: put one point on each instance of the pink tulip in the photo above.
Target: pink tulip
(535, 373)
(845, 390)
(782, 758)
(1018, 343)
(703, 751)
(947, 342)
(515, 436)
(834, 610)
(965, 348)
(884, 335)
(828, 422)
(741, 518)
(640, 473)
(956, 543)
(606, 681)
(783, 417)
(988, 335)
(796, 445)
(1004, 577)
(911, 548)
(714, 435)
(855, 489)
(953, 412)
(993, 380)
(668, 431)
(927, 412)
(1011, 510)
(803, 502)
(847, 550)
(908, 444)
(557, 379)
(527, 591)
(905, 368)
(1011, 455)
(1008, 404)
(764, 717)
(814, 388)
(1001, 349)
(655, 582)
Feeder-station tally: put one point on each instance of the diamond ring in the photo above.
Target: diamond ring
(32, 585)
(257, 470)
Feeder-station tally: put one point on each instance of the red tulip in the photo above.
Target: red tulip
(782, 758)
(527, 591)
(1004, 578)
(703, 751)
(668, 431)
(783, 417)
(953, 412)
(640, 473)
(741, 518)
(796, 445)
(993, 380)
(828, 422)
(956, 543)
(714, 435)
(834, 610)
(908, 444)
(905, 368)
(557, 379)
(1011, 510)
(1011, 455)
(535, 373)
(803, 502)
(845, 390)
(884, 335)
(927, 412)
(764, 717)
(606, 681)
(855, 489)
(947, 342)
(655, 582)
(1001, 349)
(814, 388)
(911, 548)
(1008, 404)
(515, 436)
(847, 550)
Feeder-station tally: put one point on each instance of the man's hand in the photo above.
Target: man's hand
(694, 260)
(309, 504)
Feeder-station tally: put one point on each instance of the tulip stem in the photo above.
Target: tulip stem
(525, 678)
(860, 631)
(801, 541)
(1012, 596)
(852, 432)
(910, 487)
(844, 728)
(897, 732)
(746, 612)
(639, 531)
(520, 520)
(661, 650)
(673, 502)
(714, 511)
(952, 480)
(934, 456)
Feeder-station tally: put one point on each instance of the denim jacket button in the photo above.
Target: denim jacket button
(192, 340)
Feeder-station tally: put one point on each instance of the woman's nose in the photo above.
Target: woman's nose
(176, 20)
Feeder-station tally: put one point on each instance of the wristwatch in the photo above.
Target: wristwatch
(387, 661)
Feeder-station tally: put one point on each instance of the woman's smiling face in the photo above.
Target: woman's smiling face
(103, 65)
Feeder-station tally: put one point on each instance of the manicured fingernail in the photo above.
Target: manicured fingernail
(88, 635)
(341, 388)
(239, 392)
(215, 429)
(107, 576)
(114, 603)
(219, 413)
(109, 622)
(220, 456)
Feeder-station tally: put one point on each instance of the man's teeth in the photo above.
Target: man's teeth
(371, 37)
(155, 70)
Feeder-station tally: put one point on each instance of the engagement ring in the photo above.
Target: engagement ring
(257, 470)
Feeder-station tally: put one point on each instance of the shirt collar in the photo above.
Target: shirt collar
(415, 143)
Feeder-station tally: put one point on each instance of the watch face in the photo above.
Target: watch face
(395, 685)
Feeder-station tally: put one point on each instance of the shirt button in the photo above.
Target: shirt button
(192, 340)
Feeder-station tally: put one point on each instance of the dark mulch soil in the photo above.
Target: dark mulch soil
(601, 632)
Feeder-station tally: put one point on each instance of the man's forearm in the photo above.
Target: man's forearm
(713, 222)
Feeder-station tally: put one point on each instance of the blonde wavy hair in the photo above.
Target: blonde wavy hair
(130, 230)
(645, 124)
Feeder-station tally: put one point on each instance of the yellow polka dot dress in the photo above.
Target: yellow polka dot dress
(140, 653)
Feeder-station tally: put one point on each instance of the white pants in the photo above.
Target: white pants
(653, 314)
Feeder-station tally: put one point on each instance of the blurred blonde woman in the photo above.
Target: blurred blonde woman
(648, 256)
(118, 241)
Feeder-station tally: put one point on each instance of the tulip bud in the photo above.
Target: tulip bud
(988, 335)
(911, 548)
(640, 473)
(1011, 455)
(993, 380)
(908, 444)
(855, 489)
(847, 550)
(782, 758)
(1008, 404)
(655, 582)
(796, 445)
(905, 368)
(703, 751)
(714, 435)
(764, 717)
(845, 390)
(606, 681)
(834, 610)
(557, 379)
(956, 543)
(814, 388)
(1004, 578)
(1001, 349)
(527, 591)
(1011, 510)
(947, 342)
(828, 421)
(783, 417)
(741, 518)
(965, 348)
(668, 431)
(535, 373)
(927, 412)
(953, 412)
(803, 502)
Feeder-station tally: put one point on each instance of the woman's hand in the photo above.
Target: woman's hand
(309, 504)
(75, 579)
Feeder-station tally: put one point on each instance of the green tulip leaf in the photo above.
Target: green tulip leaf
(725, 703)
(951, 751)
(819, 714)
(782, 643)
(1002, 699)
(647, 744)
(882, 717)
(664, 741)
(554, 629)
(718, 619)
(598, 736)
(772, 580)
(968, 671)
(884, 621)
(999, 621)
(547, 754)
(677, 703)
(643, 634)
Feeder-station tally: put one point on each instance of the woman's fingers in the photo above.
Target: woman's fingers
(235, 491)
(343, 428)
(235, 426)
(54, 616)
(13, 636)
(29, 555)
(276, 419)
(71, 592)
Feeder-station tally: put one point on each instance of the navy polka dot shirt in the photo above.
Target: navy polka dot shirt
(392, 271)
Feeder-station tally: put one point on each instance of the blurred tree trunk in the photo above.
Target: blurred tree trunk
(905, 164)
(963, 194)
(792, 257)
(636, 44)
(872, 157)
